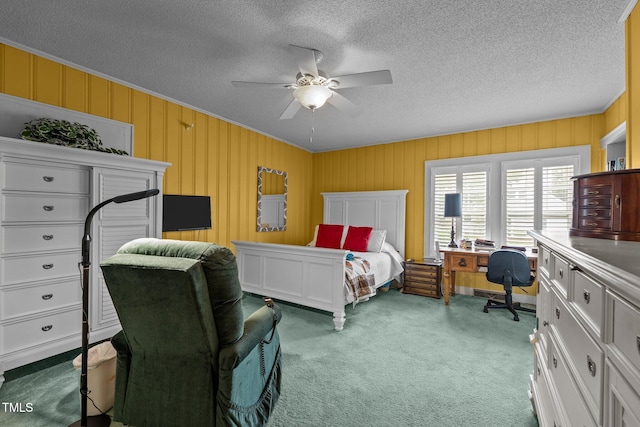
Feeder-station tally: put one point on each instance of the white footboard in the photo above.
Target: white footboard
(309, 276)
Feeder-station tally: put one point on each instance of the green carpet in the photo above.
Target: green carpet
(402, 360)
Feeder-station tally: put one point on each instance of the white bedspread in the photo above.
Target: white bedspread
(385, 266)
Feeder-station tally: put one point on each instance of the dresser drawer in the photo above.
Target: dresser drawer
(49, 179)
(587, 358)
(588, 299)
(49, 237)
(626, 332)
(576, 409)
(544, 262)
(561, 274)
(40, 267)
(33, 332)
(31, 299)
(22, 207)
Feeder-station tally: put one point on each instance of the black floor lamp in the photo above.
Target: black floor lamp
(99, 420)
(453, 209)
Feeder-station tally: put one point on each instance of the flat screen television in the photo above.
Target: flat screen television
(185, 212)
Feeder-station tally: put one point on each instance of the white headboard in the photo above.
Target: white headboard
(383, 210)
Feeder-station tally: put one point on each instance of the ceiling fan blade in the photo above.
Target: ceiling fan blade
(305, 58)
(342, 103)
(291, 110)
(380, 77)
(262, 85)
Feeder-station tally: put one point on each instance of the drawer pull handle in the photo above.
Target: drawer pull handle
(561, 273)
(593, 203)
(592, 214)
(587, 296)
(47, 328)
(48, 208)
(48, 178)
(593, 192)
(638, 343)
(47, 236)
(47, 297)
(557, 312)
(546, 260)
(555, 361)
(545, 323)
(591, 224)
(47, 266)
(591, 365)
(617, 200)
(462, 262)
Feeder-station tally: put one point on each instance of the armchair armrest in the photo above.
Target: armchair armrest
(256, 327)
(119, 342)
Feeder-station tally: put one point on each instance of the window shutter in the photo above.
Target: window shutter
(557, 197)
(519, 206)
(474, 205)
(443, 184)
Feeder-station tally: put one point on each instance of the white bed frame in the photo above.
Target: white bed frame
(314, 277)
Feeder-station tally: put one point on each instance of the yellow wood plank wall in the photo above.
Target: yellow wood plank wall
(632, 49)
(615, 114)
(400, 165)
(213, 157)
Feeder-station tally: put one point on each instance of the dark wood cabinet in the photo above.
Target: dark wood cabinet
(606, 205)
(423, 278)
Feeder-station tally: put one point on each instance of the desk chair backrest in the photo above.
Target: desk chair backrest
(510, 268)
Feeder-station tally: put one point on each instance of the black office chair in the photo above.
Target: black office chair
(509, 268)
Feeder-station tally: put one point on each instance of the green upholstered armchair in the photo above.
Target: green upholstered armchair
(186, 355)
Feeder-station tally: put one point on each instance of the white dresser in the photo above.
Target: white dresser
(46, 193)
(587, 340)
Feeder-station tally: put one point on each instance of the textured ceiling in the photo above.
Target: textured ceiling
(456, 65)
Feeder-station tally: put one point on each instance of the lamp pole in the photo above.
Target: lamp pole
(102, 419)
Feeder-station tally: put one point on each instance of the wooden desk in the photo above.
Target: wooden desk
(469, 261)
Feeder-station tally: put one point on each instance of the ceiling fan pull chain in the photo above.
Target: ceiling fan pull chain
(313, 125)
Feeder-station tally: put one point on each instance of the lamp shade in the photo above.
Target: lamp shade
(312, 96)
(453, 205)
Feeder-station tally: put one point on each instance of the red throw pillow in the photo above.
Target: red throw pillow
(357, 238)
(329, 236)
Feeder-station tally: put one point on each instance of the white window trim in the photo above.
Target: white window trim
(493, 163)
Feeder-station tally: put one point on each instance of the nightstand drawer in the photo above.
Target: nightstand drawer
(421, 274)
(433, 291)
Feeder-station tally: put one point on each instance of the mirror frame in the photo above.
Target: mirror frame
(259, 226)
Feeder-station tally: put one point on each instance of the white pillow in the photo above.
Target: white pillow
(376, 240)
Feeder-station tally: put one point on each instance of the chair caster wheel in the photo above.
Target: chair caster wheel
(485, 309)
(516, 318)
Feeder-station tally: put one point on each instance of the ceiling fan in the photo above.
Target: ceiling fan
(313, 88)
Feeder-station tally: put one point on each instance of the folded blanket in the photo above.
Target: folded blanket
(359, 280)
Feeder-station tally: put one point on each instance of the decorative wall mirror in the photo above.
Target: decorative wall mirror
(272, 200)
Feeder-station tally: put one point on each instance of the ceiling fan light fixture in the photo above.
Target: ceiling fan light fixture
(312, 96)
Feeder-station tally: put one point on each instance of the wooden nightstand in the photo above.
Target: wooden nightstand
(423, 278)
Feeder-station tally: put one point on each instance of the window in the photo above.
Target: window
(472, 183)
(503, 196)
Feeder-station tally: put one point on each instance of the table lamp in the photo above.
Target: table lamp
(453, 209)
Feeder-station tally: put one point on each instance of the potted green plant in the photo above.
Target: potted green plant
(63, 132)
